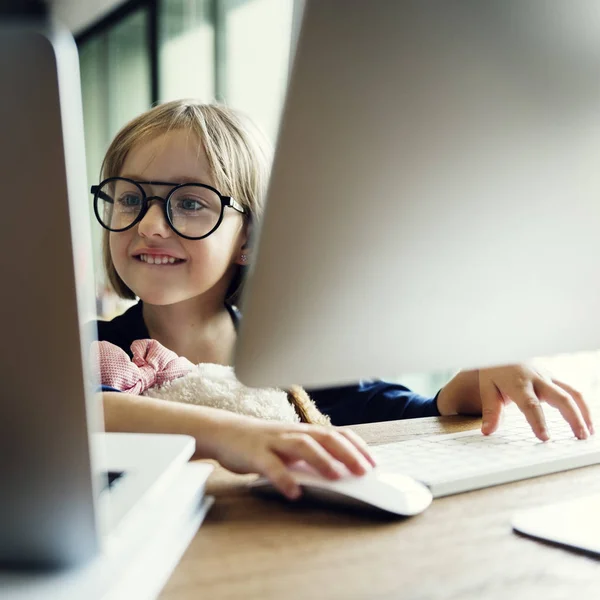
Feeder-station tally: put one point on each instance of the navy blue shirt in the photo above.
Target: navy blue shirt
(365, 402)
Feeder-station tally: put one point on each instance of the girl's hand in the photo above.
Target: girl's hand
(255, 446)
(487, 391)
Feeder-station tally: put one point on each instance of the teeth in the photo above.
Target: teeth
(157, 260)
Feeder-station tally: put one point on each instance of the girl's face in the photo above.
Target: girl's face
(203, 267)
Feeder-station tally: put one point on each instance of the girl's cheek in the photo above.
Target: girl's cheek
(117, 246)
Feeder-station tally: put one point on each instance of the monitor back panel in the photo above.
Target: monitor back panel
(434, 201)
(46, 505)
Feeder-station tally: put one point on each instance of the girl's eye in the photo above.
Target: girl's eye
(130, 200)
(190, 204)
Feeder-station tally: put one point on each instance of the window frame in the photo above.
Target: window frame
(152, 7)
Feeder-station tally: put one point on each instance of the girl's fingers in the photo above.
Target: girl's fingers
(529, 404)
(299, 446)
(491, 405)
(358, 443)
(343, 449)
(580, 401)
(275, 470)
(557, 397)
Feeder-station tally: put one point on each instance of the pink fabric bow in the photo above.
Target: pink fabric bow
(152, 365)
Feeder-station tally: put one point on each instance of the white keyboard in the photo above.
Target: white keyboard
(459, 462)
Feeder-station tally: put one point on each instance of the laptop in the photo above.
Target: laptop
(79, 508)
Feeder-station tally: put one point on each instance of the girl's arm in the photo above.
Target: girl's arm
(372, 401)
(242, 444)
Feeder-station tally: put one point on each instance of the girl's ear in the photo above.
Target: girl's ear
(243, 255)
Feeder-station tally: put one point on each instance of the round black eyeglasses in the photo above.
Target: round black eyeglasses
(192, 210)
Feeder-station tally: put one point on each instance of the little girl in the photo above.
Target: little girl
(182, 187)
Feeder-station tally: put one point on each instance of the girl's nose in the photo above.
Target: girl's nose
(154, 222)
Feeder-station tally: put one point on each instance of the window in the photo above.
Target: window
(115, 80)
(256, 55)
(187, 50)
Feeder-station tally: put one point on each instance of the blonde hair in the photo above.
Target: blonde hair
(238, 154)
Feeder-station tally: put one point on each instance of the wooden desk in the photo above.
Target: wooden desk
(462, 547)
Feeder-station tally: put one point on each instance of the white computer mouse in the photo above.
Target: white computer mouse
(379, 490)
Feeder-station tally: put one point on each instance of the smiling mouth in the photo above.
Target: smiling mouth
(158, 260)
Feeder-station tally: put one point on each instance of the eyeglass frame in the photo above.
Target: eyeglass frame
(225, 201)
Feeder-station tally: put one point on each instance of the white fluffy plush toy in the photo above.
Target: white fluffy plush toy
(158, 372)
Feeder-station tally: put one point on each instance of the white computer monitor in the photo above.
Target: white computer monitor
(435, 198)
(57, 510)
(47, 507)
